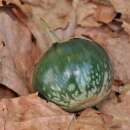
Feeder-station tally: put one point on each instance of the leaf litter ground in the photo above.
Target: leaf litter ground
(22, 42)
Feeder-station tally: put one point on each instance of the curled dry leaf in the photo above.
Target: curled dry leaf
(3, 113)
(18, 56)
(86, 15)
(32, 113)
(27, 52)
(64, 22)
(122, 6)
(91, 14)
(120, 111)
(8, 75)
(50, 10)
(25, 7)
(8, 1)
(33, 2)
(6, 92)
(58, 12)
(89, 120)
(105, 14)
(116, 44)
(124, 89)
(105, 2)
(69, 31)
(61, 13)
(126, 26)
(120, 56)
(98, 34)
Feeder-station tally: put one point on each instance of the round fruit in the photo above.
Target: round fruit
(75, 74)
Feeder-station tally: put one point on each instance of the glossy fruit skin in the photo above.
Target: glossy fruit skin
(74, 74)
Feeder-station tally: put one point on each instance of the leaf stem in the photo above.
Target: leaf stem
(52, 34)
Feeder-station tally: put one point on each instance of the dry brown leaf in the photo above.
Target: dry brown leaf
(18, 56)
(61, 13)
(8, 75)
(119, 48)
(92, 14)
(86, 15)
(122, 6)
(64, 22)
(120, 111)
(69, 31)
(6, 92)
(55, 13)
(98, 34)
(8, 1)
(89, 120)
(49, 10)
(3, 113)
(25, 7)
(126, 26)
(105, 2)
(42, 3)
(105, 14)
(32, 113)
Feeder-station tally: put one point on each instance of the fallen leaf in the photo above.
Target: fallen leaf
(124, 89)
(3, 113)
(63, 25)
(8, 75)
(120, 111)
(18, 56)
(98, 34)
(51, 11)
(92, 14)
(24, 7)
(42, 3)
(89, 120)
(122, 45)
(126, 26)
(121, 6)
(32, 113)
(105, 2)
(86, 15)
(69, 31)
(6, 92)
(105, 14)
